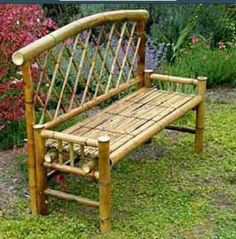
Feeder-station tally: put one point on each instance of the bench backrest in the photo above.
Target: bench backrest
(82, 64)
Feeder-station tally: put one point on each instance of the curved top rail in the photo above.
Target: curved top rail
(30, 51)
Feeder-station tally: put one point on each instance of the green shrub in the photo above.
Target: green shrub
(218, 23)
(13, 133)
(217, 64)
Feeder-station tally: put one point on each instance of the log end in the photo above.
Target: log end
(18, 59)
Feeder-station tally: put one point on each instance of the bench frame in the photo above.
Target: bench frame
(38, 133)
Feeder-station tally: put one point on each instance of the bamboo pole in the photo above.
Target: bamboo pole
(52, 83)
(115, 58)
(72, 154)
(69, 138)
(66, 78)
(30, 121)
(175, 79)
(82, 153)
(70, 197)
(59, 147)
(133, 62)
(147, 75)
(88, 166)
(200, 111)
(43, 68)
(80, 68)
(104, 183)
(108, 47)
(68, 169)
(53, 172)
(50, 40)
(51, 156)
(41, 174)
(92, 67)
(181, 129)
(140, 31)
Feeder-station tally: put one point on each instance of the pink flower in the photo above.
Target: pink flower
(1, 126)
(17, 177)
(195, 40)
(15, 150)
(60, 179)
(35, 66)
(221, 45)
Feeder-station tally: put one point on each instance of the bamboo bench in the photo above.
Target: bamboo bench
(80, 66)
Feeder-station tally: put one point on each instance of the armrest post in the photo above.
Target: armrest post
(201, 88)
(200, 112)
(147, 81)
(104, 183)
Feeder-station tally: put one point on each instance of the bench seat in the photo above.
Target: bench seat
(127, 118)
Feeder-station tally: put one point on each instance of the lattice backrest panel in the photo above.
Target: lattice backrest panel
(83, 67)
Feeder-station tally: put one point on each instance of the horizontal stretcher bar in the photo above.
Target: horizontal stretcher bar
(70, 197)
(69, 169)
(69, 138)
(181, 129)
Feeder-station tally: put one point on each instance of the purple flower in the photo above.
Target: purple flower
(151, 56)
(69, 42)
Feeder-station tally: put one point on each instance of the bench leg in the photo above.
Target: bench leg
(199, 129)
(104, 184)
(200, 113)
(41, 176)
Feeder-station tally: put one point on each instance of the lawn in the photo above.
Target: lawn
(163, 190)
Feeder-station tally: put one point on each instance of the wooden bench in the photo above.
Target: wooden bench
(87, 63)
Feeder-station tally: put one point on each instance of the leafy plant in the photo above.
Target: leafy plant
(217, 23)
(217, 64)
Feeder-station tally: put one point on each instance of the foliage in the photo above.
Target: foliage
(192, 21)
(218, 23)
(20, 25)
(182, 195)
(12, 133)
(63, 13)
(217, 64)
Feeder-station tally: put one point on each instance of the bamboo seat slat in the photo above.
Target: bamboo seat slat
(125, 119)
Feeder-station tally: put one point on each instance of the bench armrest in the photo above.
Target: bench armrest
(175, 79)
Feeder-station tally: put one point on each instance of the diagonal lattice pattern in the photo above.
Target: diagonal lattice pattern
(84, 67)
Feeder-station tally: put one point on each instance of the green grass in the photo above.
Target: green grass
(176, 195)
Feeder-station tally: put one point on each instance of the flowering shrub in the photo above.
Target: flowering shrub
(20, 25)
(152, 55)
(218, 64)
